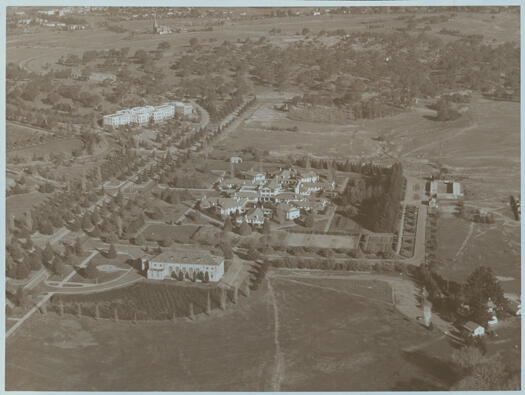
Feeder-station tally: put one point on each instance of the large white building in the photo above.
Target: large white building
(182, 108)
(120, 118)
(170, 263)
(163, 112)
(140, 115)
(443, 189)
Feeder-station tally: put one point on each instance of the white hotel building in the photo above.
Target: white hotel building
(188, 261)
(181, 108)
(140, 115)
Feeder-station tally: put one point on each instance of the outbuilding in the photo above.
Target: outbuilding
(474, 329)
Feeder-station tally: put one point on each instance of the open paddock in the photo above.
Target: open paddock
(315, 138)
(17, 133)
(462, 250)
(283, 337)
(481, 149)
(64, 146)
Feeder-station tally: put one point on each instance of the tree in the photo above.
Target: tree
(468, 357)
(139, 239)
(34, 261)
(191, 314)
(59, 267)
(86, 221)
(164, 45)
(227, 249)
(48, 253)
(22, 270)
(486, 374)
(166, 242)
(208, 304)
(481, 286)
(309, 221)
(228, 224)
(267, 228)
(112, 252)
(91, 270)
(245, 229)
(21, 298)
(78, 247)
(253, 254)
(194, 41)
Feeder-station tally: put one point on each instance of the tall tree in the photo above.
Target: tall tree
(227, 224)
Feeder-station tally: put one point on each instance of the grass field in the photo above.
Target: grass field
(320, 241)
(19, 134)
(462, 250)
(315, 138)
(331, 339)
(66, 146)
(482, 148)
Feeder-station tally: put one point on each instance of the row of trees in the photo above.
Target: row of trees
(21, 259)
(377, 198)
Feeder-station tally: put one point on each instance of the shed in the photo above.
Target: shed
(474, 329)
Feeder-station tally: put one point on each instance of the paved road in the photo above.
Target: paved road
(24, 282)
(126, 279)
(42, 275)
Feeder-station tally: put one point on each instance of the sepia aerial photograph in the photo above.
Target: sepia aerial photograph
(315, 198)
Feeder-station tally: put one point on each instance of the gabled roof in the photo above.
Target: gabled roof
(471, 326)
(228, 203)
(256, 212)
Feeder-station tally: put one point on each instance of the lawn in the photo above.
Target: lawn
(107, 269)
(178, 233)
(329, 339)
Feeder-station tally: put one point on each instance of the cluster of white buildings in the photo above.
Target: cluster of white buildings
(258, 195)
(193, 264)
(143, 115)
